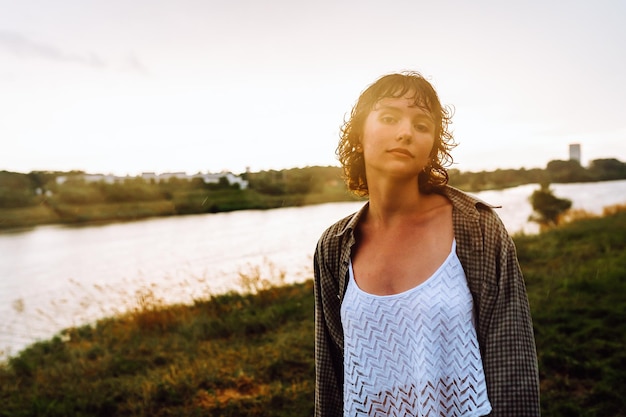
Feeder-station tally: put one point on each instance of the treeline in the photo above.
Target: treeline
(556, 171)
(68, 197)
(266, 189)
(61, 197)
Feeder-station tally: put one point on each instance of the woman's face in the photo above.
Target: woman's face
(397, 138)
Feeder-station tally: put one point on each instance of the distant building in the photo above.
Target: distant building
(230, 177)
(169, 175)
(150, 176)
(153, 177)
(109, 179)
(574, 152)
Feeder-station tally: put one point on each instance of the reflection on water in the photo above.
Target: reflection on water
(53, 277)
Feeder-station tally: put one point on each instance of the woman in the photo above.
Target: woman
(421, 307)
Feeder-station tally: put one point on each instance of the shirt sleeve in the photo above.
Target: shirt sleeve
(328, 356)
(509, 354)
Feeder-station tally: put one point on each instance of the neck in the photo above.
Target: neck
(393, 200)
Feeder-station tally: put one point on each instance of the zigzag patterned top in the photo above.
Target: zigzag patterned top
(414, 353)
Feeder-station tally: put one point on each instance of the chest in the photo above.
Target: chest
(399, 259)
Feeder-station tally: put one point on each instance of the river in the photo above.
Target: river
(54, 277)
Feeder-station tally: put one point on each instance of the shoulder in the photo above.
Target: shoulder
(335, 243)
(342, 228)
(337, 229)
(330, 240)
(466, 202)
(471, 213)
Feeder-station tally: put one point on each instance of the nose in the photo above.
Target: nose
(405, 131)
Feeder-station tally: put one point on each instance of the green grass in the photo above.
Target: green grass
(576, 279)
(69, 214)
(252, 355)
(230, 355)
(179, 202)
(27, 217)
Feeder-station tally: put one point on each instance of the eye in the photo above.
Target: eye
(422, 127)
(387, 119)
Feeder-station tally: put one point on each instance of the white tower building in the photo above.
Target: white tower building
(574, 152)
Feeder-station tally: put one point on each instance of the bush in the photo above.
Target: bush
(547, 207)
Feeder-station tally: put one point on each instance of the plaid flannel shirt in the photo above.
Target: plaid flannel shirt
(501, 309)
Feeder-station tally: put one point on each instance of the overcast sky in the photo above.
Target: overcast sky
(133, 86)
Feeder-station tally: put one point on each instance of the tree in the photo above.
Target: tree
(566, 171)
(547, 208)
(607, 169)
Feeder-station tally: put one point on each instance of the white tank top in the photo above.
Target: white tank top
(414, 353)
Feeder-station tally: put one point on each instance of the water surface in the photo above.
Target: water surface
(53, 277)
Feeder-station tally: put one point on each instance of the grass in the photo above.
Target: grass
(576, 279)
(251, 353)
(70, 214)
(180, 202)
(233, 354)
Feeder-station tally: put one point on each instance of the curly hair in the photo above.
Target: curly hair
(435, 175)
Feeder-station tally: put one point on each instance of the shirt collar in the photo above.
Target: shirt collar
(354, 220)
(466, 203)
(462, 201)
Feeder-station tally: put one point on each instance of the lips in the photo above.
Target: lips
(401, 151)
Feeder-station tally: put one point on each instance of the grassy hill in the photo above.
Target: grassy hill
(252, 355)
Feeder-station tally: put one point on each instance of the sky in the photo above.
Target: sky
(125, 87)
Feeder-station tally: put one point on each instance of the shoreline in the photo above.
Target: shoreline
(237, 354)
(27, 218)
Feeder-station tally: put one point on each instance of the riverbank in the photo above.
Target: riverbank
(38, 198)
(47, 213)
(252, 355)
(44, 198)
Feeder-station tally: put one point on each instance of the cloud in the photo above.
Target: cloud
(24, 47)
